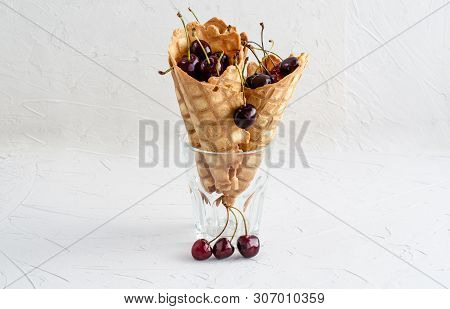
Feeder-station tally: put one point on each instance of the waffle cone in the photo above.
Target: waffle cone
(207, 107)
(270, 101)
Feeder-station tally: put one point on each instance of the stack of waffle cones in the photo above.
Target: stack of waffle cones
(208, 107)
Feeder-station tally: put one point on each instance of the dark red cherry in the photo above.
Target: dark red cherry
(201, 250)
(258, 80)
(276, 74)
(223, 249)
(207, 69)
(288, 65)
(196, 49)
(189, 66)
(249, 79)
(224, 61)
(245, 116)
(248, 245)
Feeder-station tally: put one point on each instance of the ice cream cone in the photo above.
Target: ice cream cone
(207, 107)
(270, 101)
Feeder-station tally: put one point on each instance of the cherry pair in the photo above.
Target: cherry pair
(279, 71)
(248, 246)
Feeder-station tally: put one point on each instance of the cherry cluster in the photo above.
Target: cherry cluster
(248, 245)
(277, 73)
(201, 63)
(245, 116)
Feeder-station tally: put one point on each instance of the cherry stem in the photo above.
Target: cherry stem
(194, 33)
(260, 63)
(224, 228)
(218, 63)
(235, 225)
(267, 51)
(243, 219)
(272, 44)
(271, 52)
(262, 38)
(166, 71)
(187, 36)
(221, 55)
(241, 77)
(271, 60)
(192, 12)
(243, 67)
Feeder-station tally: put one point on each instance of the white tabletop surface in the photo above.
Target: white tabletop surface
(349, 221)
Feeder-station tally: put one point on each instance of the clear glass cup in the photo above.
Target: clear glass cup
(217, 180)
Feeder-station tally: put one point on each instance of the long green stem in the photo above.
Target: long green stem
(221, 55)
(235, 225)
(262, 38)
(272, 45)
(270, 49)
(218, 63)
(224, 228)
(187, 36)
(267, 51)
(194, 33)
(192, 12)
(243, 219)
(260, 63)
(243, 67)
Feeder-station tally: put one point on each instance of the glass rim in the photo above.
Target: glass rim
(185, 140)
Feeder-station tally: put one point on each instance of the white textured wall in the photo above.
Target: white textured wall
(52, 97)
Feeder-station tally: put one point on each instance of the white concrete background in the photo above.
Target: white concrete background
(378, 144)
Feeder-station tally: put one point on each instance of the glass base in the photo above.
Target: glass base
(222, 183)
(211, 214)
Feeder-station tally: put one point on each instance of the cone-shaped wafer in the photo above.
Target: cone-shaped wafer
(202, 166)
(270, 102)
(244, 175)
(207, 107)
